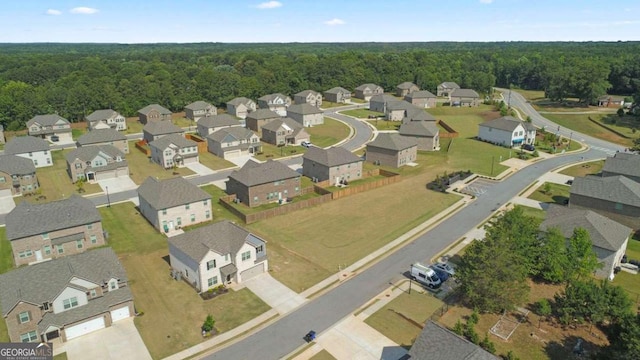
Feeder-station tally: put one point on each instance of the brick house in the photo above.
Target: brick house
(310, 97)
(338, 95)
(240, 107)
(284, 131)
(104, 137)
(446, 88)
(153, 112)
(211, 124)
(464, 97)
(366, 91)
(335, 164)
(262, 183)
(422, 99)
(425, 133)
(392, 150)
(199, 109)
(18, 174)
(306, 115)
(48, 126)
(257, 119)
(93, 163)
(406, 88)
(233, 142)
(106, 119)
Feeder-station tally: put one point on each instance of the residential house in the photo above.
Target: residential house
(262, 183)
(39, 232)
(366, 91)
(199, 109)
(284, 131)
(240, 107)
(306, 115)
(436, 342)
(59, 300)
(446, 88)
(310, 97)
(104, 137)
(422, 99)
(406, 88)
(338, 95)
(464, 97)
(394, 109)
(417, 114)
(32, 148)
(158, 129)
(611, 101)
(507, 131)
(626, 164)
(211, 124)
(616, 197)
(18, 174)
(233, 142)
(170, 204)
(93, 163)
(154, 112)
(336, 164)
(275, 102)
(52, 127)
(392, 150)
(216, 254)
(425, 133)
(174, 150)
(106, 119)
(609, 238)
(257, 119)
(379, 102)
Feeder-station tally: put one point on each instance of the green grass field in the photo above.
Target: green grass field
(584, 169)
(6, 255)
(214, 162)
(385, 124)
(140, 166)
(55, 182)
(361, 113)
(581, 123)
(558, 194)
(329, 133)
(630, 282)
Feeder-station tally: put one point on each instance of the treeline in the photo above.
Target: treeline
(76, 79)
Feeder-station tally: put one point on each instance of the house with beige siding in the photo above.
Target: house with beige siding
(310, 97)
(306, 115)
(464, 97)
(627, 164)
(366, 91)
(93, 163)
(406, 88)
(336, 164)
(32, 148)
(66, 298)
(199, 109)
(284, 131)
(104, 137)
(106, 119)
(275, 102)
(39, 232)
(158, 129)
(154, 112)
(422, 99)
(393, 150)
(240, 107)
(174, 150)
(262, 183)
(446, 88)
(338, 95)
(18, 175)
(217, 254)
(211, 124)
(170, 204)
(425, 133)
(233, 142)
(51, 127)
(257, 119)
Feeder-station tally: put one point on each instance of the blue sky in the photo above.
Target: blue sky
(149, 21)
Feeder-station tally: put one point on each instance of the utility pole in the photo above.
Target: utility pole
(108, 200)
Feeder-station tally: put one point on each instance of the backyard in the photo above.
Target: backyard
(141, 167)
(551, 193)
(630, 282)
(6, 255)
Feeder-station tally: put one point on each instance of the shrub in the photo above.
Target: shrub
(208, 324)
(543, 307)
(458, 328)
(474, 317)
(620, 112)
(471, 334)
(488, 345)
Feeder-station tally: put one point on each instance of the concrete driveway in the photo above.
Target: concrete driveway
(241, 160)
(274, 293)
(200, 169)
(119, 184)
(6, 201)
(119, 341)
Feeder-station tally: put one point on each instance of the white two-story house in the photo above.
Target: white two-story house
(32, 148)
(507, 131)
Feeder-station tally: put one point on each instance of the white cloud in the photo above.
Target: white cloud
(486, 1)
(83, 10)
(269, 5)
(53, 12)
(334, 22)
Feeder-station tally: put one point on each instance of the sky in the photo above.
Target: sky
(187, 21)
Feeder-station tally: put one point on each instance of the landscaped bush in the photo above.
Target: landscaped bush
(212, 293)
(441, 183)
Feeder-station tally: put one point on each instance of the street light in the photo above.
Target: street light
(108, 200)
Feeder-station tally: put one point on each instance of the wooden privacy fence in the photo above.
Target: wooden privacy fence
(389, 178)
(451, 133)
(142, 146)
(202, 144)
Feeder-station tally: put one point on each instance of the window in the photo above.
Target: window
(206, 202)
(113, 284)
(618, 206)
(47, 250)
(260, 249)
(211, 264)
(45, 236)
(212, 281)
(207, 214)
(226, 257)
(193, 217)
(79, 244)
(90, 227)
(70, 303)
(25, 254)
(179, 221)
(31, 336)
(93, 293)
(48, 161)
(35, 162)
(246, 255)
(2, 179)
(24, 317)
(187, 207)
(30, 154)
(164, 211)
(94, 239)
(255, 198)
(60, 249)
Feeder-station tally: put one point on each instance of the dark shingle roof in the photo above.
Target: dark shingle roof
(422, 94)
(239, 100)
(101, 115)
(392, 142)
(33, 219)
(16, 165)
(506, 123)
(419, 128)
(338, 90)
(254, 173)
(218, 121)
(175, 139)
(333, 156)
(262, 114)
(617, 188)
(406, 85)
(236, 132)
(46, 120)
(436, 342)
(623, 164)
(286, 121)
(470, 93)
(605, 233)
(89, 153)
(303, 109)
(99, 136)
(43, 282)
(25, 144)
(161, 128)
(198, 105)
(145, 110)
(168, 193)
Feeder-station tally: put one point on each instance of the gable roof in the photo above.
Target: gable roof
(406, 85)
(168, 193)
(449, 85)
(101, 115)
(223, 237)
(262, 114)
(198, 105)
(88, 153)
(611, 98)
(333, 156)
(16, 165)
(338, 90)
(402, 105)
(213, 121)
(163, 110)
(420, 94)
(273, 96)
(419, 128)
(369, 85)
(303, 109)
(254, 173)
(175, 139)
(161, 128)
(418, 115)
(40, 283)
(285, 121)
(25, 144)
(605, 233)
(100, 136)
(623, 164)
(236, 132)
(617, 188)
(436, 342)
(56, 215)
(384, 98)
(306, 93)
(470, 93)
(46, 120)
(392, 141)
(239, 100)
(506, 123)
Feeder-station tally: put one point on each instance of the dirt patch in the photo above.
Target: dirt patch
(490, 115)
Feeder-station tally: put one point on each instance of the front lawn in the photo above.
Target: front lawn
(328, 104)
(329, 133)
(214, 162)
(6, 255)
(270, 151)
(533, 212)
(558, 194)
(141, 166)
(55, 182)
(585, 169)
(361, 113)
(385, 124)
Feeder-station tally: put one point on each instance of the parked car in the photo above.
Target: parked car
(306, 144)
(55, 138)
(425, 275)
(569, 182)
(311, 335)
(528, 147)
(442, 275)
(445, 267)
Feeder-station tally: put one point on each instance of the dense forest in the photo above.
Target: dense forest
(76, 79)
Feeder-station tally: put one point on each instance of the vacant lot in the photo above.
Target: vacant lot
(558, 194)
(585, 169)
(173, 311)
(329, 133)
(581, 123)
(141, 167)
(55, 182)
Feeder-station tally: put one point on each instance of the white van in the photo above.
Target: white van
(425, 275)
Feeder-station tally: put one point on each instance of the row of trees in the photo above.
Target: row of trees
(75, 79)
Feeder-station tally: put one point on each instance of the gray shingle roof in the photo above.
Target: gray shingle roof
(236, 132)
(175, 139)
(262, 114)
(223, 237)
(163, 110)
(605, 233)
(198, 105)
(338, 90)
(46, 120)
(617, 188)
(168, 193)
(384, 98)
(218, 121)
(333, 156)
(254, 173)
(40, 283)
(25, 144)
(369, 85)
(418, 115)
(275, 124)
(450, 85)
(623, 164)
(271, 97)
(422, 94)
(419, 128)
(239, 100)
(470, 93)
(436, 342)
(306, 93)
(506, 123)
(161, 128)
(16, 165)
(33, 219)
(402, 105)
(406, 85)
(89, 153)
(392, 142)
(303, 109)
(101, 115)
(99, 136)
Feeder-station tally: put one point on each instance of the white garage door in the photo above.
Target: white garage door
(105, 175)
(84, 328)
(254, 271)
(119, 314)
(232, 154)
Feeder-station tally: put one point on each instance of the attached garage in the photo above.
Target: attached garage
(232, 154)
(105, 174)
(84, 328)
(119, 314)
(252, 272)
